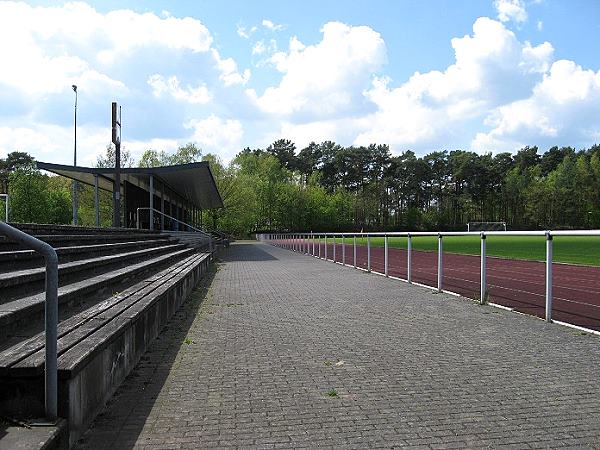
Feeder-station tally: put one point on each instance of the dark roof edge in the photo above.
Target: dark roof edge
(132, 170)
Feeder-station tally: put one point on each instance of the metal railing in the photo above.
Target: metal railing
(302, 242)
(191, 227)
(5, 206)
(51, 312)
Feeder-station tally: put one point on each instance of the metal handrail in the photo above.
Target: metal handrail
(5, 206)
(168, 217)
(301, 242)
(210, 238)
(51, 306)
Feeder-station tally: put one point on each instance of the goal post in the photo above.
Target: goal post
(486, 226)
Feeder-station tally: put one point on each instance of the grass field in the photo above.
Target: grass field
(567, 249)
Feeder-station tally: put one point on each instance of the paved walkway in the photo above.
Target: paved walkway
(283, 350)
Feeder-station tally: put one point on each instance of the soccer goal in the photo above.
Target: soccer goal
(486, 226)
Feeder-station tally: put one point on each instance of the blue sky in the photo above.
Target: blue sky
(422, 75)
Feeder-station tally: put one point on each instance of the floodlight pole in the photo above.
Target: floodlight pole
(116, 121)
(75, 159)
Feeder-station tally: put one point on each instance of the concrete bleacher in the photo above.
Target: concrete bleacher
(117, 289)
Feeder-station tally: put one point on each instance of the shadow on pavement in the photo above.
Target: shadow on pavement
(246, 251)
(135, 398)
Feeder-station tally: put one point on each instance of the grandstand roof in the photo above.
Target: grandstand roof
(193, 182)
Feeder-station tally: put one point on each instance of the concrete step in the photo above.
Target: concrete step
(27, 357)
(98, 347)
(14, 312)
(67, 240)
(15, 284)
(36, 228)
(27, 259)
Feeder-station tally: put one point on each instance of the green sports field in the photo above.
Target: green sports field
(567, 249)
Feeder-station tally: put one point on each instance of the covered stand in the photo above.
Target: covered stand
(181, 192)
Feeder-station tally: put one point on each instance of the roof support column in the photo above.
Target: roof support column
(152, 202)
(162, 206)
(96, 201)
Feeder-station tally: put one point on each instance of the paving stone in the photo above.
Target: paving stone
(275, 331)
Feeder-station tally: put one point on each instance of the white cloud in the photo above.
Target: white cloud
(53, 143)
(41, 38)
(268, 24)
(564, 108)
(264, 48)
(217, 135)
(161, 85)
(259, 48)
(540, 25)
(327, 78)
(121, 55)
(511, 10)
(229, 71)
(245, 32)
(492, 68)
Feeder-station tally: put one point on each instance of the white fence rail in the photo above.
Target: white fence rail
(307, 243)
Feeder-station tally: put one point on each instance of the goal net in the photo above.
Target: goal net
(486, 226)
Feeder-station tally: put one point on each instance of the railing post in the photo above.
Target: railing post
(313, 245)
(482, 271)
(409, 259)
(51, 362)
(368, 253)
(354, 250)
(440, 268)
(51, 313)
(325, 247)
(548, 277)
(343, 250)
(319, 245)
(385, 256)
(333, 247)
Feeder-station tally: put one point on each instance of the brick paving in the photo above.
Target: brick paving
(251, 358)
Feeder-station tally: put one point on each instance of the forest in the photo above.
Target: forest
(328, 187)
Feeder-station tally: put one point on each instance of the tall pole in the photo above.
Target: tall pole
(116, 139)
(75, 159)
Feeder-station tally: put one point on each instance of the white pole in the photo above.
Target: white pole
(354, 250)
(343, 250)
(409, 260)
(325, 247)
(313, 245)
(548, 277)
(483, 284)
(333, 248)
(385, 256)
(319, 244)
(368, 253)
(440, 268)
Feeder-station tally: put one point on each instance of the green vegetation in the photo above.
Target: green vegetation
(332, 393)
(328, 187)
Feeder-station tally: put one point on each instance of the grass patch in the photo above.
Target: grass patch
(567, 249)
(332, 393)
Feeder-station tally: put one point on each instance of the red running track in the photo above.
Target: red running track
(517, 284)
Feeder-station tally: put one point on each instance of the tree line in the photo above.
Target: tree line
(328, 187)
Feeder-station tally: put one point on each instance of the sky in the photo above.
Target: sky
(486, 76)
